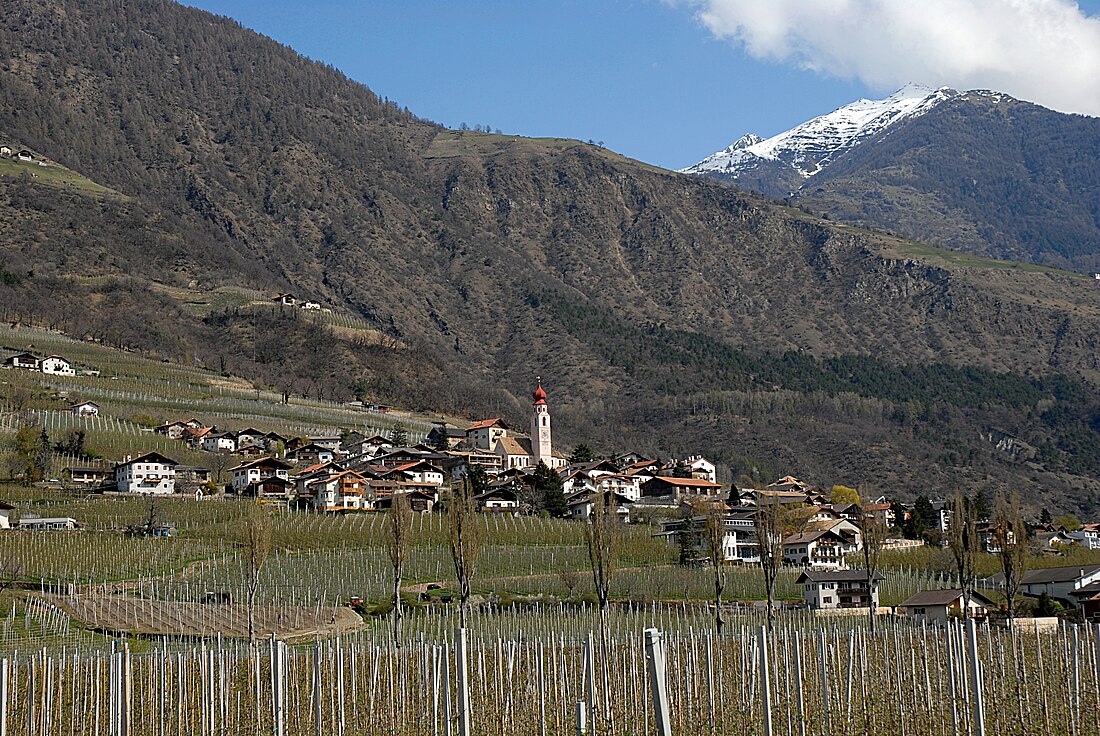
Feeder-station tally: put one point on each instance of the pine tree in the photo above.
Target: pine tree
(549, 486)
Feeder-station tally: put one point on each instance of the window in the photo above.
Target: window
(827, 599)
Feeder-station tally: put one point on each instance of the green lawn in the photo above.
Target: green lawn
(52, 175)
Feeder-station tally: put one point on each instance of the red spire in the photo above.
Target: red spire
(540, 394)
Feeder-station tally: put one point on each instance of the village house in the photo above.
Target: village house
(1087, 599)
(85, 409)
(312, 454)
(175, 430)
(832, 589)
(484, 434)
(821, 549)
(272, 488)
(701, 468)
(219, 442)
(57, 366)
(497, 500)
(251, 473)
(445, 436)
(941, 606)
(48, 524)
(672, 491)
(331, 442)
(87, 475)
(288, 300)
(583, 503)
(5, 151)
(25, 155)
(5, 515)
(338, 492)
(24, 361)
(189, 478)
(150, 473)
(1059, 582)
(250, 438)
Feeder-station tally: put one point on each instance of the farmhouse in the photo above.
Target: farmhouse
(85, 409)
(150, 473)
(583, 503)
(1059, 582)
(190, 477)
(51, 524)
(288, 300)
(940, 606)
(821, 549)
(312, 454)
(87, 476)
(219, 442)
(25, 155)
(258, 470)
(250, 438)
(484, 434)
(497, 500)
(26, 361)
(177, 429)
(671, 491)
(831, 589)
(57, 366)
(5, 151)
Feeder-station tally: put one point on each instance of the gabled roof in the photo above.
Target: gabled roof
(486, 423)
(811, 536)
(836, 576)
(515, 445)
(684, 482)
(150, 457)
(943, 598)
(1057, 574)
(85, 403)
(270, 462)
(6, 506)
(321, 466)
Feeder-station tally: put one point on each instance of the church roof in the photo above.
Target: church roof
(515, 445)
(540, 394)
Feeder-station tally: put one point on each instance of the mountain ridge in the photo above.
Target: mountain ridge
(246, 164)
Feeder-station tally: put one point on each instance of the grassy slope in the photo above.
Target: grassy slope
(53, 175)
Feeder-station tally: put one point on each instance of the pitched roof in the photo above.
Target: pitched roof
(149, 457)
(515, 445)
(836, 576)
(1057, 574)
(943, 598)
(685, 482)
(486, 423)
(269, 461)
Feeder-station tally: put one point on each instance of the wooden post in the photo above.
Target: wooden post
(976, 680)
(462, 657)
(765, 681)
(655, 656)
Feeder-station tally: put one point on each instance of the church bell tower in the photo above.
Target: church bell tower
(541, 445)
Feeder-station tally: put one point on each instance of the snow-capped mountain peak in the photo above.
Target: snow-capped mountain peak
(808, 148)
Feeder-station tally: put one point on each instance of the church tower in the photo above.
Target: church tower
(541, 446)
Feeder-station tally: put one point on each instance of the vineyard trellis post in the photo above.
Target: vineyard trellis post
(655, 657)
(463, 674)
(976, 679)
(4, 697)
(765, 681)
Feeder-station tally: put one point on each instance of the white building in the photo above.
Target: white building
(57, 366)
(702, 468)
(941, 606)
(85, 409)
(50, 524)
(484, 434)
(219, 442)
(831, 589)
(1059, 582)
(5, 512)
(257, 470)
(150, 473)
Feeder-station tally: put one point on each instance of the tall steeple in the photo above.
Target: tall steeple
(541, 445)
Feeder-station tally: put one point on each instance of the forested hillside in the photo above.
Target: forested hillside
(664, 312)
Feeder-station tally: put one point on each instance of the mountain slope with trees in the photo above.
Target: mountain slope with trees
(664, 311)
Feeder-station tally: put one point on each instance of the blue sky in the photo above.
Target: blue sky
(648, 78)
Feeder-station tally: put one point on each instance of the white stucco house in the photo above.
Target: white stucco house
(258, 470)
(219, 442)
(832, 589)
(5, 513)
(57, 366)
(150, 473)
(85, 409)
(940, 606)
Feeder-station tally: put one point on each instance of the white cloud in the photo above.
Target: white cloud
(1045, 51)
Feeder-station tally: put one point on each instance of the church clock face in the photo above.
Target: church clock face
(544, 433)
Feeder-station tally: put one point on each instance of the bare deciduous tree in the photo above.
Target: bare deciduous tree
(962, 539)
(714, 519)
(257, 542)
(603, 537)
(873, 539)
(220, 461)
(775, 521)
(570, 579)
(1011, 537)
(465, 537)
(400, 544)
